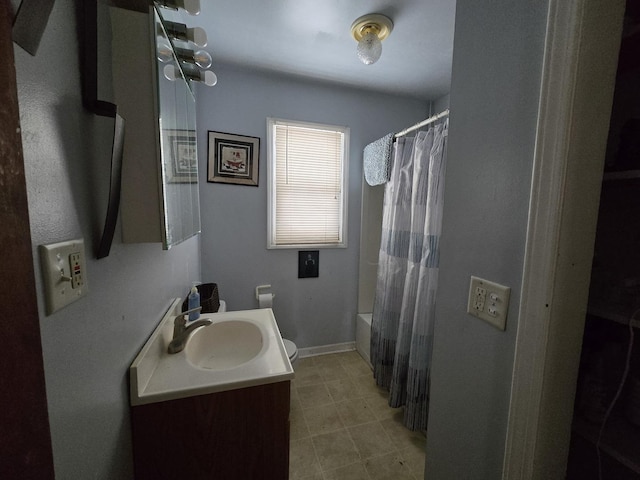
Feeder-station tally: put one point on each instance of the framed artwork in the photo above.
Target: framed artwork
(182, 162)
(233, 159)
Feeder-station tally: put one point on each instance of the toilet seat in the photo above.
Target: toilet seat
(292, 350)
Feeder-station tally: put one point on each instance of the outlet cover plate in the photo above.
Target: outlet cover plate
(64, 273)
(489, 301)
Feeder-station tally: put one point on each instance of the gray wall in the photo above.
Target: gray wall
(89, 345)
(496, 74)
(313, 311)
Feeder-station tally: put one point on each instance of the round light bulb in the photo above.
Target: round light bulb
(191, 6)
(209, 78)
(164, 52)
(202, 59)
(198, 36)
(171, 72)
(369, 48)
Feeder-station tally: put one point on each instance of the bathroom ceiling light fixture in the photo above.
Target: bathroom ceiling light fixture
(369, 31)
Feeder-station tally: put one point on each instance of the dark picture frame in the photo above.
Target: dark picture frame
(233, 159)
(182, 160)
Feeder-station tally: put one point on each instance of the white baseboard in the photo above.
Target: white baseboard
(326, 349)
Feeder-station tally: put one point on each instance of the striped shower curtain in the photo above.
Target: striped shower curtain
(407, 279)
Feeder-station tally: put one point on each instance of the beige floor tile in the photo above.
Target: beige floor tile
(330, 360)
(414, 458)
(323, 419)
(357, 369)
(314, 396)
(378, 403)
(333, 372)
(302, 459)
(366, 385)
(400, 435)
(343, 389)
(297, 426)
(305, 362)
(339, 416)
(349, 357)
(335, 450)
(307, 375)
(355, 471)
(371, 440)
(317, 476)
(388, 467)
(355, 412)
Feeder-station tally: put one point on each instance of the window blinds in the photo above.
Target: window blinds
(308, 185)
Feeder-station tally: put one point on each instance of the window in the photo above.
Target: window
(307, 184)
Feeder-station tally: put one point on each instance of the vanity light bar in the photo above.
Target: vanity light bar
(172, 72)
(200, 58)
(180, 31)
(191, 6)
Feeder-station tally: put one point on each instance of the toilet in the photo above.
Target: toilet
(292, 349)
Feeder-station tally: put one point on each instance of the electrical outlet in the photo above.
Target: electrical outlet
(480, 296)
(63, 271)
(488, 301)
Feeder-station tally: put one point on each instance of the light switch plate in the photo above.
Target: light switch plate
(489, 301)
(64, 273)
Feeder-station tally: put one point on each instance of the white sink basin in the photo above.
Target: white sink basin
(224, 345)
(239, 349)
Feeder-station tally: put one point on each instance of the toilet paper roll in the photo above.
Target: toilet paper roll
(265, 300)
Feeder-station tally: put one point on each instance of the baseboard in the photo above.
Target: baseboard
(326, 349)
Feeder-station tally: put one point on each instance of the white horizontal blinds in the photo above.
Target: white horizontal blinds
(308, 198)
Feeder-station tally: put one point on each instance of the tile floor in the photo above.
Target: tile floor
(342, 427)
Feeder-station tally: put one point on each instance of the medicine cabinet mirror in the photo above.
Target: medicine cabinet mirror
(160, 196)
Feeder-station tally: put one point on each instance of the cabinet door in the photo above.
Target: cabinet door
(236, 435)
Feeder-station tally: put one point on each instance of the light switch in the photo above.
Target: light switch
(488, 301)
(63, 271)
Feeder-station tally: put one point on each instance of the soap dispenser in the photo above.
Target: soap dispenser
(194, 302)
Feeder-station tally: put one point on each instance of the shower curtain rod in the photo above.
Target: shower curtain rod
(429, 120)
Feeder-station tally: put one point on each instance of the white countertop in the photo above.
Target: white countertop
(157, 376)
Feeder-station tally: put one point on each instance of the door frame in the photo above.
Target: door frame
(581, 50)
(26, 439)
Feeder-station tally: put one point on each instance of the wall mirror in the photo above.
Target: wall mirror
(178, 149)
(160, 197)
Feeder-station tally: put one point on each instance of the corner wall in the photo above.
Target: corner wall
(89, 345)
(497, 62)
(312, 311)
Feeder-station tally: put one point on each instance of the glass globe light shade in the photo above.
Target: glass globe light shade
(202, 59)
(171, 72)
(369, 48)
(191, 6)
(197, 35)
(164, 52)
(208, 78)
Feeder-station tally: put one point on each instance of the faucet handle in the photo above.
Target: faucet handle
(183, 315)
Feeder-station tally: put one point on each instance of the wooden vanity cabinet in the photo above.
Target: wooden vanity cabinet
(239, 434)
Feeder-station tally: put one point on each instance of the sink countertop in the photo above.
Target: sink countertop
(157, 376)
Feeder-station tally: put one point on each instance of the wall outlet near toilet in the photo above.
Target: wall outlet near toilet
(488, 301)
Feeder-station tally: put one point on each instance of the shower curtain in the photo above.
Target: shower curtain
(404, 306)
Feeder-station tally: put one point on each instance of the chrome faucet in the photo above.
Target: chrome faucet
(181, 332)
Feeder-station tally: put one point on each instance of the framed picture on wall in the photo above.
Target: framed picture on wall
(233, 159)
(181, 163)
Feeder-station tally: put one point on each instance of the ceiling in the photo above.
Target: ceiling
(311, 38)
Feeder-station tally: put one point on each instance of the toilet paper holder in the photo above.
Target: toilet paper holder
(262, 287)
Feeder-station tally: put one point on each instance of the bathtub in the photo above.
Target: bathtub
(363, 335)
